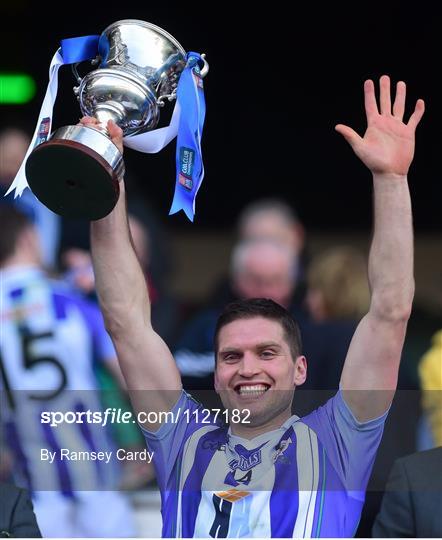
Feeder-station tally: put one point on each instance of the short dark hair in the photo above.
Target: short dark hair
(12, 224)
(268, 309)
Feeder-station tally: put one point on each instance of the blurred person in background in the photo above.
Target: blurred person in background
(14, 143)
(273, 220)
(17, 518)
(412, 503)
(337, 297)
(49, 343)
(337, 286)
(430, 373)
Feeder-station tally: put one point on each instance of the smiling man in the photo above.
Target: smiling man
(271, 473)
(258, 347)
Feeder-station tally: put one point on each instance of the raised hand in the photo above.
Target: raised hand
(115, 132)
(388, 143)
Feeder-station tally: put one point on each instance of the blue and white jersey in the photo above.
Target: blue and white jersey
(306, 479)
(49, 339)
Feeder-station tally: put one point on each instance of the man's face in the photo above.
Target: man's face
(255, 369)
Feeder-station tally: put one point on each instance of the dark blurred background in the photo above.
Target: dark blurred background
(281, 76)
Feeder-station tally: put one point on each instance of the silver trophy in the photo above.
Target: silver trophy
(76, 173)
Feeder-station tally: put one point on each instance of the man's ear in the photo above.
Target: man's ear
(300, 370)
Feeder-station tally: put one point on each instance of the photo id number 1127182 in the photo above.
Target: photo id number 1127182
(210, 416)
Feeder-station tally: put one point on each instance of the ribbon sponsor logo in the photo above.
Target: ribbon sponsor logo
(43, 131)
(185, 182)
(198, 79)
(187, 160)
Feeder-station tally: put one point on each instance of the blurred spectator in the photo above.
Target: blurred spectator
(263, 269)
(17, 518)
(337, 286)
(412, 503)
(14, 143)
(273, 220)
(430, 372)
(49, 342)
(79, 273)
(337, 297)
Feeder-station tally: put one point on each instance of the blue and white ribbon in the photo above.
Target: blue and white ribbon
(186, 123)
(189, 160)
(72, 50)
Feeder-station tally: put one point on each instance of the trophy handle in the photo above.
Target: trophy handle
(170, 97)
(205, 69)
(94, 62)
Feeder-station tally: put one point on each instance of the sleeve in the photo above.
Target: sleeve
(395, 519)
(24, 523)
(430, 373)
(350, 445)
(168, 442)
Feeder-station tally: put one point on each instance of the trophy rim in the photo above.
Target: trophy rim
(150, 26)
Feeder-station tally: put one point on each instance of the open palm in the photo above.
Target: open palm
(388, 143)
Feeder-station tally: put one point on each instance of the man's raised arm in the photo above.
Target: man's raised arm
(147, 364)
(369, 377)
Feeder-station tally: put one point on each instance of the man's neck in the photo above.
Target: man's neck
(250, 431)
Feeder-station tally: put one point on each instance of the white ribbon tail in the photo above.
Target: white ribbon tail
(20, 183)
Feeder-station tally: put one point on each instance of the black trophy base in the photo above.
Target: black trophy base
(72, 179)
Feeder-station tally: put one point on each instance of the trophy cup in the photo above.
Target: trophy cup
(76, 173)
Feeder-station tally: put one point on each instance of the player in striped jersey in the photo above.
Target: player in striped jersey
(49, 340)
(278, 475)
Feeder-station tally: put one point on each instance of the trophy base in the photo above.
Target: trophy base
(76, 173)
